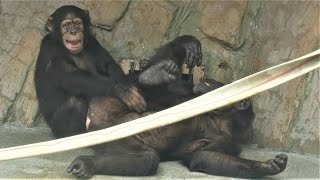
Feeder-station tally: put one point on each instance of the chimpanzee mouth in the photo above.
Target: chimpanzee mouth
(73, 46)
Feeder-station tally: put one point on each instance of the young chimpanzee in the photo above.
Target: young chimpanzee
(208, 143)
(72, 67)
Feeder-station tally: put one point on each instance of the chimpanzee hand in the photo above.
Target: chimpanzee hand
(192, 48)
(131, 97)
(82, 167)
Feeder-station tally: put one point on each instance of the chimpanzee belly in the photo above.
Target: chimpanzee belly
(107, 112)
(166, 138)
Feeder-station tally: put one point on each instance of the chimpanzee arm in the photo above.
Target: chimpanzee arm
(123, 89)
(76, 81)
(106, 64)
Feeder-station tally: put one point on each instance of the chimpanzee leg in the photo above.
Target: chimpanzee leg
(167, 61)
(70, 118)
(216, 163)
(125, 158)
(161, 88)
(164, 72)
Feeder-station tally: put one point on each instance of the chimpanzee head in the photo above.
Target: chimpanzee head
(70, 25)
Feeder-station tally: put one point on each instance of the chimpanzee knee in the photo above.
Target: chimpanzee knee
(70, 118)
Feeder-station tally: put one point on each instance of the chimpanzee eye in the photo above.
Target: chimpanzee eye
(67, 24)
(77, 23)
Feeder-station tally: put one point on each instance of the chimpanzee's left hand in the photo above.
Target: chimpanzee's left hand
(192, 48)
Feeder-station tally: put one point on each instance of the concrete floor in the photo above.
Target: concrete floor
(53, 166)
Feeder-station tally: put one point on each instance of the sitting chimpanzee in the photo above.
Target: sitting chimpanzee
(73, 70)
(72, 67)
(207, 143)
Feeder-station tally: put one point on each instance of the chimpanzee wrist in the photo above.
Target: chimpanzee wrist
(120, 89)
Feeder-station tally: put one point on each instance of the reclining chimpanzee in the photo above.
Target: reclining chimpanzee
(207, 143)
(73, 69)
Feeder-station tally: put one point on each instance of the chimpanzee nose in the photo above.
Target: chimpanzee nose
(73, 32)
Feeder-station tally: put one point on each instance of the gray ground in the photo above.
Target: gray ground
(54, 165)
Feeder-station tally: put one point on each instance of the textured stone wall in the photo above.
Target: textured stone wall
(238, 38)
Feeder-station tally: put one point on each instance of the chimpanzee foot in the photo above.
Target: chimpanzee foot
(273, 166)
(82, 167)
(163, 72)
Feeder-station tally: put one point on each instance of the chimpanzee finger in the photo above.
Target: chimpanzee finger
(140, 106)
(198, 58)
(78, 174)
(187, 59)
(72, 166)
(199, 62)
(143, 103)
(131, 101)
(69, 169)
(135, 105)
(173, 68)
(87, 176)
(138, 101)
(193, 57)
(128, 101)
(171, 78)
(275, 166)
(167, 65)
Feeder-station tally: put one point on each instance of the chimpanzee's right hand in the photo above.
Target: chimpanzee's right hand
(131, 97)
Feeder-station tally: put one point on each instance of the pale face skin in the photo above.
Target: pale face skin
(72, 31)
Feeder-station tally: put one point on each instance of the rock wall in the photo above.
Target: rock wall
(238, 38)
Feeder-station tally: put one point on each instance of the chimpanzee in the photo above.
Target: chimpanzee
(72, 67)
(208, 143)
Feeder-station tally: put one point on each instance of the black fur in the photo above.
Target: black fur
(65, 82)
(67, 85)
(207, 143)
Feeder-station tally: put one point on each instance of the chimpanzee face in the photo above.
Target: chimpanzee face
(70, 25)
(72, 34)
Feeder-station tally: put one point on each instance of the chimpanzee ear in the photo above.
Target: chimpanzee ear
(50, 24)
(87, 17)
